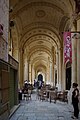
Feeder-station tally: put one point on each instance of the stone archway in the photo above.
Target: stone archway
(40, 77)
(40, 80)
(39, 26)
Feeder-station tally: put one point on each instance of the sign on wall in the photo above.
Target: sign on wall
(67, 47)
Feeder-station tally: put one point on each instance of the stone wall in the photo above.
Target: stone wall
(4, 21)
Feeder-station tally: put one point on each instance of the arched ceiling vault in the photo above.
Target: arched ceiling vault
(39, 52)
(41, 61)
(40, 40)
(60, 5)
(38, 66)
(33, 11)
(40, 33)
(39, 24)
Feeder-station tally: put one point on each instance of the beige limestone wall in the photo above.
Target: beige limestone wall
(4, 20)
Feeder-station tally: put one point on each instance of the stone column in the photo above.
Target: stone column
(51, 73)
(20, 68)
(48, 72)
(53, 63)
(57, 59)
(74, 58)
(74, 52)
(27, 69)
(78, 60)
(60, 71)
(33, 74)
(78, 53)
(74, 61)
(30, 71)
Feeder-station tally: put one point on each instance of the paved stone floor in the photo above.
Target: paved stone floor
(35, 109)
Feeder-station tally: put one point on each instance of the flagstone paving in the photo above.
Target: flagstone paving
(35, 109)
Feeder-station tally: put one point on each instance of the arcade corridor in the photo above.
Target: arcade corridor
(35, 109)
(39, 41)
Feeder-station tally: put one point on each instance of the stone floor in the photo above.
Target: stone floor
(35, 109)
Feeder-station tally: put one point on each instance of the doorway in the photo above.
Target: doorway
(40, 77)
(55, 77)
(68, 76)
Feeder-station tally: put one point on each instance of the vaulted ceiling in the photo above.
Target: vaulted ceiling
(38, 26)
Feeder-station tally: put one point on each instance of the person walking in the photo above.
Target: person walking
(75, 101)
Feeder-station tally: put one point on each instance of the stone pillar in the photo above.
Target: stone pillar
(57, 59)
(51, 73)
(74, 58)
(48, 71)
(60, 71)
(25, 68)
(63, 76)
(30, 71)
(14, 41)
(20, 68)
(33, 74)
(78, 53)
(78, 59)
(53, 63)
